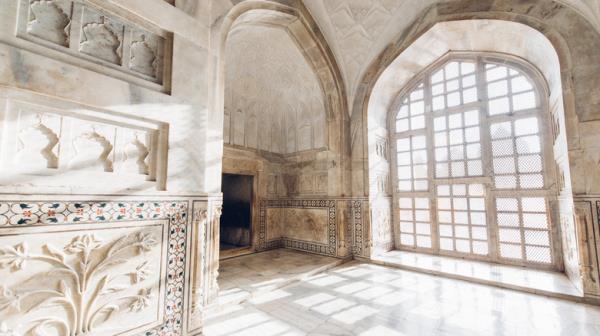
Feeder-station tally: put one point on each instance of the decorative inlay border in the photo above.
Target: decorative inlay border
(326, 249)
(357, 224)
(38, 213)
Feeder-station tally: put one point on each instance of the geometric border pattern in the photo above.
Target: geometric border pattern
(357, 225)
(325, 249)
(44, 213)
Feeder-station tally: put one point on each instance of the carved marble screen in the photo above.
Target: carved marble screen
(92, 279)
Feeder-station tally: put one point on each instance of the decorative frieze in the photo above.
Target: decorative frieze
(53, 140)
(85, 31)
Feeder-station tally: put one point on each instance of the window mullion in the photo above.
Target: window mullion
(486, 157)
(435, 245)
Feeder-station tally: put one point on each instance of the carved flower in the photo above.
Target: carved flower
(9, 299)
(145, 242)
(85, 243)
(141, 272)
(142, 300)
(15, 257)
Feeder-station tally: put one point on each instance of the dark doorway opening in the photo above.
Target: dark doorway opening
(236, 218)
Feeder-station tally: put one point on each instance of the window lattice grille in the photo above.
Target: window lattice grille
(470, 164)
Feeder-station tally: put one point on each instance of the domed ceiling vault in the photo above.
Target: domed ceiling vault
(359, 30)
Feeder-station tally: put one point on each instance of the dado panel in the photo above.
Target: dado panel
(88, 279)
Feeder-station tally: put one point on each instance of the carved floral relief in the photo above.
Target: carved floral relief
(91, 282)
(50, 20)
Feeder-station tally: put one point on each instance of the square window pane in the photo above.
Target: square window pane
(405, 185)
(403, 112)
(477, 203)
(441, 139)
(437, 89)
(407, 227)
(406, 239)
(458, 169)
(403, 144)
(474, 151)
(419, 156)
(455, 120)
(421, 185)
(461, 232)
(417, 122)
(469, 95)
(402, 125)
(422, 216)
(416, 95)
(510, 251)
(538, 254)
(524, 101)
(444, 203)
(535, 220)
(504, 165)
(439, 103)
(502, 147)
(446, 231)
(441, 170)
(404, 172)
(467, 68)
(520, 84)
(445, 216)
(424, 241)
(403, 158)
(418, 142)
(509, 235)
(498, 106)
(439, 124)
(460, 203)
(452, 85)
(534, 204)
(405, 203)
(459, 190)
(446, 244)
(441, 154)
(472, 134)
(479, 233)
(471, 118)
(497, 89)
(453, 99)
(478, 218)
(468, 81)
(457, 153)
(537, 238)
(421, 203)
(529, 144)
(507, 204)
(438, 76)
(406, 215)
(463, 246)
(496, 73)
(531, 181)
(474, 168)
(443, 190)
(461, 217)
(505, 182)
(480, 247)
(456, 137)
(530, 164)
(526, 126)
(501, 130)
(417, 108)
(420, 171)
(451, 70)
(508, 219)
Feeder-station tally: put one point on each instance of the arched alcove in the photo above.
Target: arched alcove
(510, 40)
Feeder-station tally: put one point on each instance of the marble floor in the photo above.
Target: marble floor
(512, 277)
(251, 275)
(365, 299)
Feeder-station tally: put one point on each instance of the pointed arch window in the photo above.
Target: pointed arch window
(472, 162)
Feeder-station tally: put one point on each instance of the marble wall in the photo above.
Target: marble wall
(97, 103)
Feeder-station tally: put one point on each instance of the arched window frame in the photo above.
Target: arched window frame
(549, 190)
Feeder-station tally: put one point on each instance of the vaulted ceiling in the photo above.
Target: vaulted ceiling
(359, 30)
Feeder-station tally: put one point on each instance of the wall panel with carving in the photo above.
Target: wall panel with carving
(68, 143)
(130, 49)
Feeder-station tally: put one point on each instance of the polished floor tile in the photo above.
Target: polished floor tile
(365, 299)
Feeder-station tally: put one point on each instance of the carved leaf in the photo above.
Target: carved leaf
(53, 252)
(104, 314)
